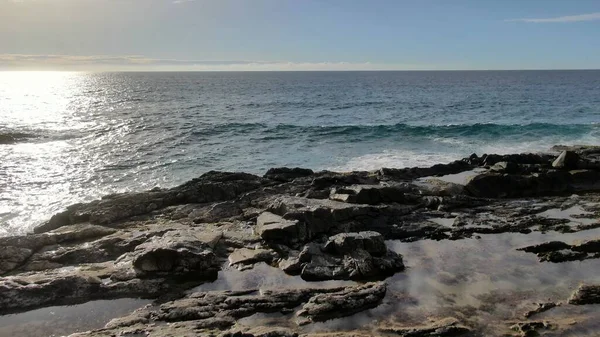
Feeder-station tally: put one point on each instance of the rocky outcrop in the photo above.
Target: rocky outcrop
(558, 251)
(306, 227)
(586, 294)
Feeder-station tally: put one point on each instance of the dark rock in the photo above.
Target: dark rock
(566, 160)
(505, 167)
(448, 327)
(546, 247)
(245, 256)
(586, 294)
(274, 228)
(343, 303)
(346, 243)
(541, 307)
(178, 252)
(287, 174)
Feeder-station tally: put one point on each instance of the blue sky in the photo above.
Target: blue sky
(299, 34)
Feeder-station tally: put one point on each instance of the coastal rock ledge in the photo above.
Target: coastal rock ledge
(298, 252)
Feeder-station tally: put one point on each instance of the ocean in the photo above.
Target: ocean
(73, 137)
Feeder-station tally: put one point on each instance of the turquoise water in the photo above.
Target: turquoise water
(71, 137)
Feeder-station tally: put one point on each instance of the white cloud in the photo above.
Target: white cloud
(182, 1)
(568, 18)
(136, 62)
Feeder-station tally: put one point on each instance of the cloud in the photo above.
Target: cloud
(182, 1)
(137, 62)
(568, 18)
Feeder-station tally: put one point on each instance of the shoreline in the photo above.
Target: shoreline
(330, 250)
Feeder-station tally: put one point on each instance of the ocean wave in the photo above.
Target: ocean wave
(483, 131)
(8, 137)
(15, 137)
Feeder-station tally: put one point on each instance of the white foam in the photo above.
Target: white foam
(396, 159)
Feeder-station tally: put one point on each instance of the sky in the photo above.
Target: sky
(299, 34)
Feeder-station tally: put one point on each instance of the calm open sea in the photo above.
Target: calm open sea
(71, 137)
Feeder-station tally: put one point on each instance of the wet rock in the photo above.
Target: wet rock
(287, 174)
(566, 160)
(546, 247)
(586, 294)
(454, 167)
(495, 185)
(210, 187)
(448, 327)
(343, 303)
(540, 307)
(261, 331)
(527, 329)
(372, 194)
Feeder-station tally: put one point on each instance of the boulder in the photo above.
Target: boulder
(178, 252)
(346, 243)
(566, 160)
(287, 174)
(274, 228)
(586, 294)
(245, 256)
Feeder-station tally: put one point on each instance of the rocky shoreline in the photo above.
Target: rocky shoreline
(497, 245)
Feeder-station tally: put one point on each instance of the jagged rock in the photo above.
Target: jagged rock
(351, 256)
(527, 329)
(178, 252)
(454, 167)
(505, 167)
(260, 331)
(287, 174)
(346, 302)
(272, 227)
(221, 309)
(566, 160)
(372, 194)
(448, 327)
(494, 185)
(346, 243)
(210, 187)
(540, 307)
(546, 247)
(245, 256)
(586, 294)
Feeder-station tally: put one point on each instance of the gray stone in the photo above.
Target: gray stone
(566, 160)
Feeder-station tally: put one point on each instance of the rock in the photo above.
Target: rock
(540, 307)
(404, 174)
(505, 167)
(12, 257)
(372, 194)
(260, 331)
(566, 160)
(346, 243)
(272, 227)
(448, 327)
(210, 187)
(530, 328)
(287, 174)
(351, 256)
(494, 185)
(245, 256)
(546, 247)
(178, 252)
(586, 294)
(346, 302)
